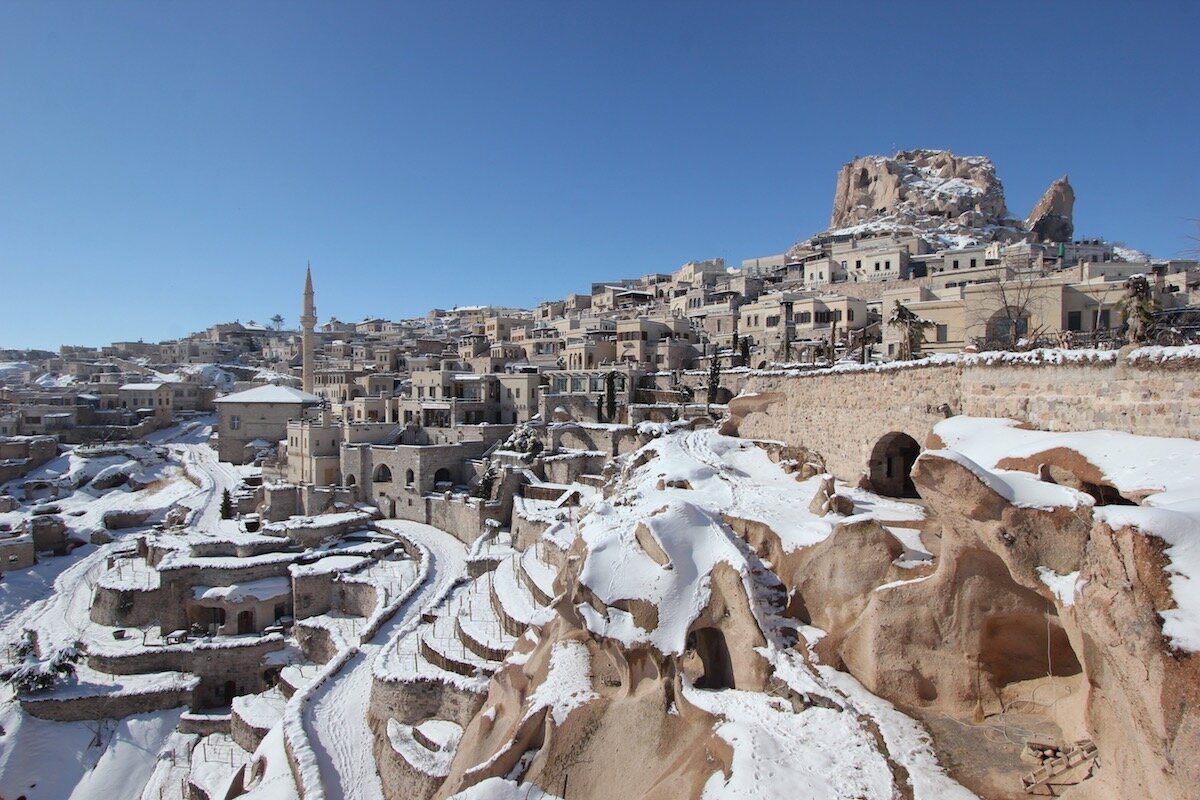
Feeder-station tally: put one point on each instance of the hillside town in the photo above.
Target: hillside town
(485, 552)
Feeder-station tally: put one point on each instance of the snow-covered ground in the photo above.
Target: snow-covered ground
(109, 760)
(335, 717)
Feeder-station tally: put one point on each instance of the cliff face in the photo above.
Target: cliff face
(947, 199)
(919, 187)
(1052, 218)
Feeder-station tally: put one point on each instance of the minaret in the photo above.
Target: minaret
(308, 321)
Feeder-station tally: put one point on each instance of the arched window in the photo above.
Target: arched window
(409, 478)
(383, 474)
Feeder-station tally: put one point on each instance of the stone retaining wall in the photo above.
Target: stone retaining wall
(106, 706)
(844, 415)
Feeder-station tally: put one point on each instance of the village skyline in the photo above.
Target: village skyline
(181, 168)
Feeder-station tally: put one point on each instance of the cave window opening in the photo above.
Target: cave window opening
(891, 465)
(709, 645)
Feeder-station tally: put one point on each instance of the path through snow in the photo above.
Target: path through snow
(336, 718)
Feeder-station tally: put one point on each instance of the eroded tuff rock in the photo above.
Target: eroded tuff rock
(985, 628)
(1051, 219)
(915, 186)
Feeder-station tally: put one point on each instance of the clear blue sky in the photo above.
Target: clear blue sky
(165, 166)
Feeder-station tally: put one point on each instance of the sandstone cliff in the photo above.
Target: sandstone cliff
(946, 199)
(1051, 219)
(919, 187)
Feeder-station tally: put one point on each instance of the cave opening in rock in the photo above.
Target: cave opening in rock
(1022, 646)
(709, 645)
(891, 463)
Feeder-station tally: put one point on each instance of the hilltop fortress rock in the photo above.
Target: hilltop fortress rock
(919, 187)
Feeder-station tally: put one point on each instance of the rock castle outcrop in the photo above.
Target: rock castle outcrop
(941, 196)
(1051, 219)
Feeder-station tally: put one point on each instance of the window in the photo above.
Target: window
(887, 265)
(972, 263)
(235, 423)
(858, 264)
(877, 266)
(943, 333)
(837, 315)
(955, 264)
(850, 315)
(1104, 323)
(1074, 320)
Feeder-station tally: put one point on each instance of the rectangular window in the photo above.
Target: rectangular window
(877, 266)
(1104, 323)
(235, 422)
(972, 263)
(955, 264)
(1074, 320)
(943, 332)
(850, 315)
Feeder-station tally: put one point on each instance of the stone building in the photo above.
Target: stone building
(257, 419)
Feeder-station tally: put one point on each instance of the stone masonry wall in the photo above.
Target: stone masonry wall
(843, 415)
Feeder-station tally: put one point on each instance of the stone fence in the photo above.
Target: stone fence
(859, 418)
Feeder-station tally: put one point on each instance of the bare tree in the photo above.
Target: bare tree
(912, 330)
(1009, 303)
(1137, 308)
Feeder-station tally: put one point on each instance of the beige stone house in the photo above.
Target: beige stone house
(257, 419)
(148, 399)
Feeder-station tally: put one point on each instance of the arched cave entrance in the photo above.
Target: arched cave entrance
(709, 645)
(1022, 646)
(891, 462)
(441, 476)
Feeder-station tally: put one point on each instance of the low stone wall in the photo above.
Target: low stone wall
(247, 736)
(216, 667)
(313, 594)
(1132, 395)
(359, 599)
(108, 706)
(462, 517)
(412, 701)
(316, 643)
(610, 439)
(565, 468)
(126, 607)
(205, 724)
(845, 415)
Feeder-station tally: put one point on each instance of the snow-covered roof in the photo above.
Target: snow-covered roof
(271, 394)
(141, 387)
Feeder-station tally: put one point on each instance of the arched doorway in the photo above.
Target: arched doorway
(245, 621)
(441, 476)
(709, 645)
(891, 462)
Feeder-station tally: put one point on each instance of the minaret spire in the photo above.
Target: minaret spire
(308, 321)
